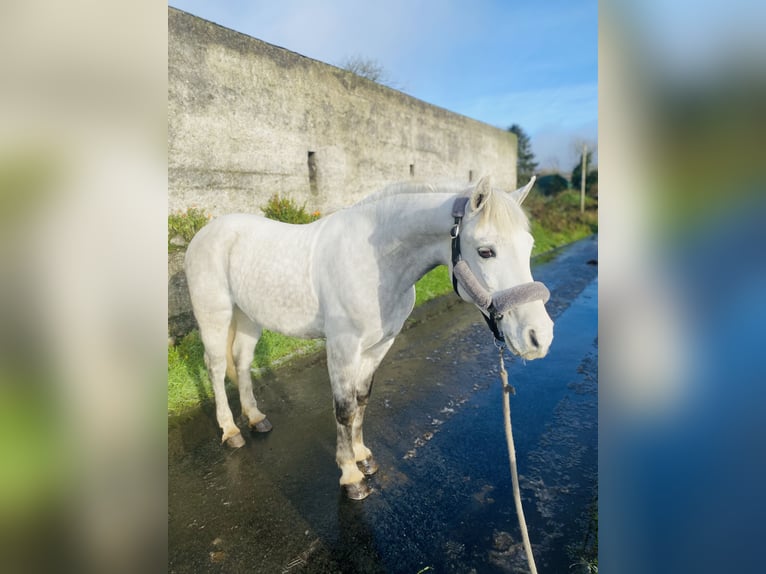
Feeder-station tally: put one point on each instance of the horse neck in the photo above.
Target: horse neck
(413, 235)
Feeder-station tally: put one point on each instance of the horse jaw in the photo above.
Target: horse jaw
(528, 330)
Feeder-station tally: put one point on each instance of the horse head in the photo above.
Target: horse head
(492, 268)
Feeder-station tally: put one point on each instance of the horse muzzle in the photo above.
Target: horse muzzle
(531, 342)
(528, 334)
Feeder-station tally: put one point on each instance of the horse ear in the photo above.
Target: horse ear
(521, 194)
(481, 193)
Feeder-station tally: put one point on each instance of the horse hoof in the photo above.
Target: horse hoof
(263, 426)
(236, 441)
(357, 491)
(368, 466)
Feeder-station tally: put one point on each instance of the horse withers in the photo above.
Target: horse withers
(349, 277)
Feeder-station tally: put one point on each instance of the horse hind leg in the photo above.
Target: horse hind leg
(213, 328)
(243, 337)
(231, 369)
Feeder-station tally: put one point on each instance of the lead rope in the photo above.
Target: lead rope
(508, 389)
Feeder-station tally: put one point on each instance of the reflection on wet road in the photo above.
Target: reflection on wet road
(442, 500)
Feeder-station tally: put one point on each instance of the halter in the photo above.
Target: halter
(494, 305)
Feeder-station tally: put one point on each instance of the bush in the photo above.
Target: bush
(551, 184)
(591, 183)
(185, 225)
(591, 177)
(287, 211)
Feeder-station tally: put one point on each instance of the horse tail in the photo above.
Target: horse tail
(231, 369)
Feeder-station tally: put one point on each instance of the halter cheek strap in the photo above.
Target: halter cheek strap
(458, 212)
(497, 304)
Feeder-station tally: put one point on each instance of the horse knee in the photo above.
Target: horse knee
(345, 411)
(363, 395)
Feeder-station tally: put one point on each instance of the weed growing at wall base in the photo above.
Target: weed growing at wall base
(286, 210)
(184, 225)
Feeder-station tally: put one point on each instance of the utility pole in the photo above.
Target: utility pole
(582, 178)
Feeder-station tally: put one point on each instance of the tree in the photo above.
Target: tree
(551, 184)
(368, 68)
(525, 158)
(591, 176)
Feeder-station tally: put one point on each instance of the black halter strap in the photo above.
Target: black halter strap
(458, 212)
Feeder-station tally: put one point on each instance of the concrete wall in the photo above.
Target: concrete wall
(247, 119)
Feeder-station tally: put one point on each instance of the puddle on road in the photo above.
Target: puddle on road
(442, 498)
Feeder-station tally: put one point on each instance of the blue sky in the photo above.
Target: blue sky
(533, 63)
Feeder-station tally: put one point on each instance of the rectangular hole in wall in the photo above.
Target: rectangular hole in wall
(470, 175)
(312, 161)
(412, 170)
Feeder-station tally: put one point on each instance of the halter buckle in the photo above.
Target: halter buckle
(455, 231)
(494, 315)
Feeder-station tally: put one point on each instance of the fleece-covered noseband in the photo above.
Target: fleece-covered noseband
(494, 305)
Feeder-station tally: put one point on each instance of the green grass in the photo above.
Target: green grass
(585, 553)
(434, 283)
(556, 221)
(273, 346)
(188, 383)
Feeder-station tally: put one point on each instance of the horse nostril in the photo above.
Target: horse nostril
(533, 339)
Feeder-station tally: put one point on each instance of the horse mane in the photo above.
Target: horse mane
(412, 188)
(500, 211)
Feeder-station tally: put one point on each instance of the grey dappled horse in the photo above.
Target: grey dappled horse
(349, 277)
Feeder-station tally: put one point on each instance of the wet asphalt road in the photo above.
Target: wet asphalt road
(442, 499)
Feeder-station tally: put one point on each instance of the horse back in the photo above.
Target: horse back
(260, 265)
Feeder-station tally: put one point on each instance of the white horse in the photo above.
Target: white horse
(349, 277)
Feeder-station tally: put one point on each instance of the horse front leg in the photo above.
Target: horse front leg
(371, 360)
(362, 455)
(351, 375)
(352, 479)
(347, 369)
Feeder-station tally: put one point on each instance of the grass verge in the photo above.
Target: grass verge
(555, 221)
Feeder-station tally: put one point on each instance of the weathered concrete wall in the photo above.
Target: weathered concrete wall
(247, 119)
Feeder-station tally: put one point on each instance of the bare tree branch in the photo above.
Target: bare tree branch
(368, 68)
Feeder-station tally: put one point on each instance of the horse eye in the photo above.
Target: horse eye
(486, 252)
